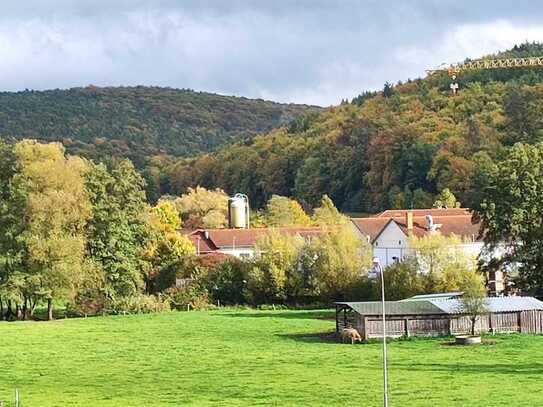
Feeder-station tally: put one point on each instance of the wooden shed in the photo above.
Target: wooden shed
(439, 315)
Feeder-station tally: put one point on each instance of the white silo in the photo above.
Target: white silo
(238, 211)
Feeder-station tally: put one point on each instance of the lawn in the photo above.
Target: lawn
(253, 358)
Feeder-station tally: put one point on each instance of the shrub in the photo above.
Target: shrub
(225, 282)
(141, 304)
(182, 297)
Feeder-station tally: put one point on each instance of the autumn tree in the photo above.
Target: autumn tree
(443, 261)
(282, 211)
(273, 276)
(327, 214)
(203, 208)
(167, 247)
(337, 259)
(57, 209)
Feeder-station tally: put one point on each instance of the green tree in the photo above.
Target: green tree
(12, 225)
(117, 233)
(402, 280)
(511, 213)
(473, 300)
(282, 211)
(446, 199)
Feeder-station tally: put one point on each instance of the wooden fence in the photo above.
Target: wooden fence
(440, 325)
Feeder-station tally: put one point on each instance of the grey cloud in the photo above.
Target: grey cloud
(300, 51)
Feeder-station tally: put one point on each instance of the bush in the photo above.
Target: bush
(182, 297)
(141, 304)
(225, 282)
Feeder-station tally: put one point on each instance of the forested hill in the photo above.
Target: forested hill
(395, 148)
(138, 122)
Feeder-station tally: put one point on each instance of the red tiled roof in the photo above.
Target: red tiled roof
(200, 241)
(215, 239)
(396, 213)
(371, 227)
(457, 224)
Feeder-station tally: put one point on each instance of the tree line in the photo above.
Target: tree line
(392, 149)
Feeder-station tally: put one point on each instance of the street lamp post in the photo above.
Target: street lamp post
(377, 269)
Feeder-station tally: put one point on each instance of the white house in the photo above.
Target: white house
(389, 232)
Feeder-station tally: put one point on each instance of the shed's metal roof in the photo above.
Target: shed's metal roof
(394, 308)
(494, 304)
(443, 306)
(439, 296)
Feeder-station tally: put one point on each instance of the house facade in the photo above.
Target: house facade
(389, 234)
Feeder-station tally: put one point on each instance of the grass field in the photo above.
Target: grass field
(252, 358)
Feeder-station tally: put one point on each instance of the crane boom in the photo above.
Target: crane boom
(502, 63)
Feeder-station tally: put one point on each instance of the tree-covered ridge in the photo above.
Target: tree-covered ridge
(396, 148)
(137, 122)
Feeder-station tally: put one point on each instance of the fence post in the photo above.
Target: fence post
(520, 321)
(406, 327)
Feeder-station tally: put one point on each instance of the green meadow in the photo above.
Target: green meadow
(252, 358)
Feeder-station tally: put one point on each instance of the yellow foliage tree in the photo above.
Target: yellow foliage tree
(443, 262)
(282, 211)
(57, 209)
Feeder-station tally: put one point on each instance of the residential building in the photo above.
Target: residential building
(389, 234)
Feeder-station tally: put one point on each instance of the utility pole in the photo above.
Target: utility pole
(378, 270)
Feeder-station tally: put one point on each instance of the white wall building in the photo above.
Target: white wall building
(389, 233)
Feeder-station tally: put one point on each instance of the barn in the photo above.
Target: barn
(439, 315)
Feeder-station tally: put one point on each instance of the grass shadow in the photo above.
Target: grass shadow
(476, 368)
(312, 337)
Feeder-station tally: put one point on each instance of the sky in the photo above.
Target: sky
(305, 51)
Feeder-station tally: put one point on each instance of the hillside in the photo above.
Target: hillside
(395, 148)
(138, 122)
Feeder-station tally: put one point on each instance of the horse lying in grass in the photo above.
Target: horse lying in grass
(350, 334)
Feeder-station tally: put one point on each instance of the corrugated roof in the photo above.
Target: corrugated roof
(443, 306)
(439, 296)
(394, 308)
(493, 304)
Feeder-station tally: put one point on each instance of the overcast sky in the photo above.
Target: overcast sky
(310, 51)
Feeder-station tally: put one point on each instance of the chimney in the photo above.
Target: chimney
(409, 221)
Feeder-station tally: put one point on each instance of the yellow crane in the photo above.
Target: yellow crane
(501, 63)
